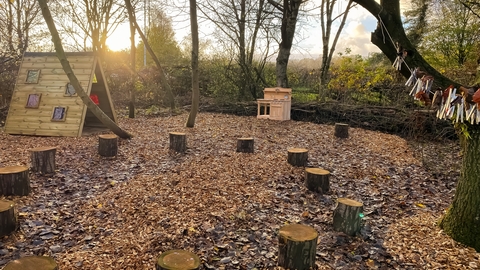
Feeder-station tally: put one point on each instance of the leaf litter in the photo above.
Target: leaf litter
(227, 207)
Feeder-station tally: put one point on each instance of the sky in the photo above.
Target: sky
(355, 36)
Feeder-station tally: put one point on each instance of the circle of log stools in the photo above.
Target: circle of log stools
(32, 263)
(317, 180)
(297, 157)
(14, 181)
(8, 219)
(341, 130)
(347, 216)
(107, 145)
(177, 259)
(245, 145)
(297, 245)
(178, 142)
(43, 159)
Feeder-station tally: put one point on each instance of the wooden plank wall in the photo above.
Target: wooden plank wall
(51, 84)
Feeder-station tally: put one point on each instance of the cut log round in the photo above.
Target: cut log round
(297, 157)
(177, 260)
(107, 145)
(245, 145)
(8, 219)
(341, 130)
(178, 142)
(14, 181)
(32, 263)
(297, 245)
(317, 180)
(347, 216)
(43, 159)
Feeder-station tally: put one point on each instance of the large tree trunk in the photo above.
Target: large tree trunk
(462, 221)
(195, 76)
(289, 10)
(73, 79)
(389, 13)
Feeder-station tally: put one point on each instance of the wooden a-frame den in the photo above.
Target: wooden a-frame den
(45, 104)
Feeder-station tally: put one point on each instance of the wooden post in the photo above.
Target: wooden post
(107, 145)
(341, 130)
(297, 245)
(177, 260)
(347, 216)
(178, 142)
(8, 219)
(14, 181)
(32, 262)
(245, 145)
(297, 157)
(43, 159)
(317, 180)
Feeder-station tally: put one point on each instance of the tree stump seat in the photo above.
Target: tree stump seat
(347, 216)
(32, 263)
(8, 219)
(107, 145)
(317, 180)
(297, 246)
(341, 130)
(177, 259)
(245, 145)
(14, 181)
(43, 159)
(178, 142)
(297, 157)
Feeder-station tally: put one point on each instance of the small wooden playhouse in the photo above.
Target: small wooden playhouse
(45, 104)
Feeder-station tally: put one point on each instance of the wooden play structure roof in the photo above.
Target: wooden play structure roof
(45, 104)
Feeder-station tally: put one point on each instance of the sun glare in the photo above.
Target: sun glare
(120, 39)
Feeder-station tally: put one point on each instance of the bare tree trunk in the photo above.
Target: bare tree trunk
(195, 75)
(131, 104)
(327, 53)
(163, 78)
(289, 10)
(73, 79)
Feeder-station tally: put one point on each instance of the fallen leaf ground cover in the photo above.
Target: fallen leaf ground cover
(227, 207)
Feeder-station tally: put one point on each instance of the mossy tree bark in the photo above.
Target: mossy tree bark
(297, 246)
(341, 130)
(178, 142)
(107, 145)
(245, 145)
(462, 221)
(8, 218)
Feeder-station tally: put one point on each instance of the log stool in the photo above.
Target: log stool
(297, 245)
(245, 145)
(297, 157)
(107, 145)
(317, 180)
(32, 263)
(177, 260)
(43, 159)
(8, 219)
(347, 216)
(178, 142)
(14, 181)
(341, 130)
